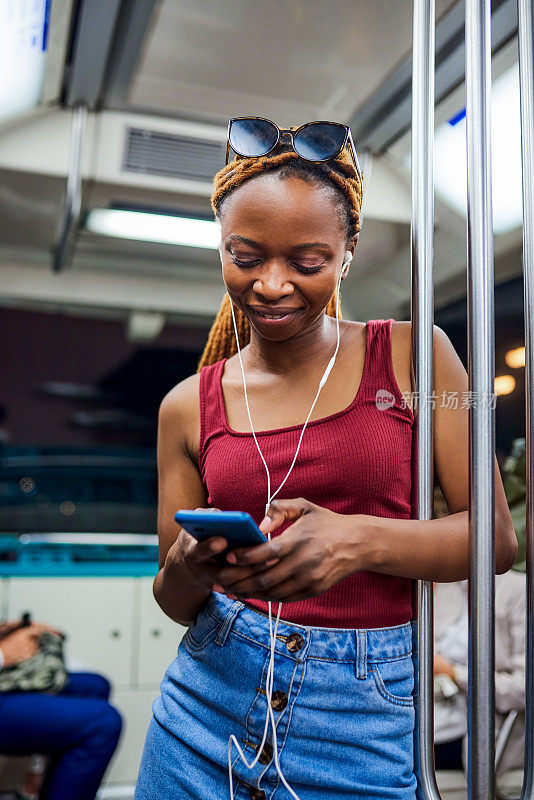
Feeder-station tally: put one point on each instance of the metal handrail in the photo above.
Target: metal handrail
(422, 314)
(73, 198)
(526, 86)
(504, 735)
(526, 90)
(480, 317)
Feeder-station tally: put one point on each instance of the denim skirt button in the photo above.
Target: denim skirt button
(266, 754)
(279, 700)
(257, 794)
(294, 642)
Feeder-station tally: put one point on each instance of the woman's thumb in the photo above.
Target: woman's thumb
(284, 511)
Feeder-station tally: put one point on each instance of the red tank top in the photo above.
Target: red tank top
(356, 461)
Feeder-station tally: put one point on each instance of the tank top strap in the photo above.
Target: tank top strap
(212, 413)
(378, 381)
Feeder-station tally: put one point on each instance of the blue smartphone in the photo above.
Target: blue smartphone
(237, 527)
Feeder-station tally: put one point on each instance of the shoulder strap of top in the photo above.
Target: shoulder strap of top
(379, 373)
(212, 413)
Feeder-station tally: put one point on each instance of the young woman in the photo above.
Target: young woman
(345, 546)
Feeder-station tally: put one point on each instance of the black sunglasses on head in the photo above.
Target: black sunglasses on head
(314, 141)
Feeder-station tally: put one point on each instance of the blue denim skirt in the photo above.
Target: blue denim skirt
(342, 700)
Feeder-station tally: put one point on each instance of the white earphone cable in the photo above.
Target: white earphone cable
(270, 670)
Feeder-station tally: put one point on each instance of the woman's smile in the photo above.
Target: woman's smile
(275, 316)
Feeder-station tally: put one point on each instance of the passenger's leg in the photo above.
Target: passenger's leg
(448, 755)
(78, 734)
(87, 684)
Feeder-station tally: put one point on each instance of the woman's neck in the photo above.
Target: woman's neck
(307, 349)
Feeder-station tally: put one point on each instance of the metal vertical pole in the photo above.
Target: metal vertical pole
(526, 76)
(422, 313)
(73, 198)
(481, 692)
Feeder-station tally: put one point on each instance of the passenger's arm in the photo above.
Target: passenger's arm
(20, 645)
(178, 590)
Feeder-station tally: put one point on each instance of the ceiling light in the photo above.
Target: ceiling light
(515, 358)
(144, 326)
(450, 161)
(163, 228)
(504, 384)
(450, 156)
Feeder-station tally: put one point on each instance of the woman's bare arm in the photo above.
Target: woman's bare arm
(439, 549)
(179, 486)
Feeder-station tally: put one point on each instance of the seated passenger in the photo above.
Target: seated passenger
(451, 641)
(77, 729)
(450, 660)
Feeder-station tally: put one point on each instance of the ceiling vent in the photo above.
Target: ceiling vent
(158, 153)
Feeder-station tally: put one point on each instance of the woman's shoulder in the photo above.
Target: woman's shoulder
(401, 340)
(183, 397)
(402, 330)
(179, 409)
(182, 394)
(400, 336)
(444, 352)
(181, 405)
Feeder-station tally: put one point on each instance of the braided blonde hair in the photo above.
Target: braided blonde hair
(339, 172)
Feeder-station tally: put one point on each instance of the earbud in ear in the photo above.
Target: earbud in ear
(346, 262)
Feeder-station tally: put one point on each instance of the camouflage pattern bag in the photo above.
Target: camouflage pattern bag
(44, 672)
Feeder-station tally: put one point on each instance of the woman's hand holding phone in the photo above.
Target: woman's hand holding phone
(317, 551)
(199, 558)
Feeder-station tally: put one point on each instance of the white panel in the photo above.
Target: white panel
(387, 195)
(4, 594)
(110, 291)
(110, 142)
(159, 638)
(41, 144)
(136, 710)
(96, 614)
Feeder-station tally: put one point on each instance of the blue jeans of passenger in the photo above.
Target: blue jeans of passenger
(77, 728)
(342, 702)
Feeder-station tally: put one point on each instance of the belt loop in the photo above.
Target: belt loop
(228, 622)
(361, 655)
